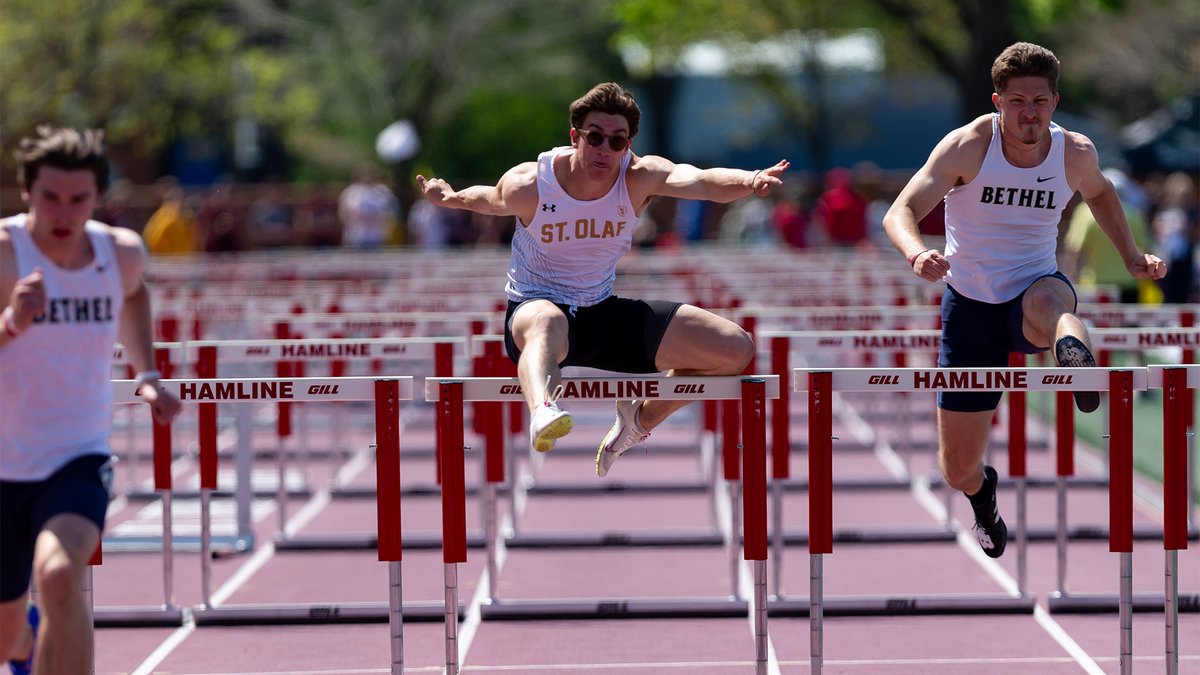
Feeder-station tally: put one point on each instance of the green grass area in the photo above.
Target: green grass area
(1147, 430)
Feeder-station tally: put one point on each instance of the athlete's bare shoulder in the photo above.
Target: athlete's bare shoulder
(1082, 162)
(131, 255)
(960, 153)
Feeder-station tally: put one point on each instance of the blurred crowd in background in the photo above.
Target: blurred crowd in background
(843, 208)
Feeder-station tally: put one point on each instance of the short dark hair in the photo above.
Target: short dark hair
(608, 98)
(62, 148)
(1024, 59)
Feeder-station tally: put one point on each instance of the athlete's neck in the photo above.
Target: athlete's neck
(68, 248)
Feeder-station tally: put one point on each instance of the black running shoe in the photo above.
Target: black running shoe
(1070, 352)
(989, 526)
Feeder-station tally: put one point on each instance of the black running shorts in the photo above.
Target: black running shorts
(80, 486)
(981, 335)
(616, 334)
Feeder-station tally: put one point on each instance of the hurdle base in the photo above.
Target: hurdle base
(610, 487)
(303, 613)
(183, 495)
(1100, 533)
(365, 542)
(224, 545)
(616, 539)
(911, 535)
(139, 617)
(1098, 603)
(363, 492)
(636, 608)
(906, 605)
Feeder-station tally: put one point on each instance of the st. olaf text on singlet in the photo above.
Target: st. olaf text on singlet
(1026, 197)
(77, 310)
(585, 228)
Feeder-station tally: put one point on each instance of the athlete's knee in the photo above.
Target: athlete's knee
(959, 474)
(59, 582)
(741, 350)
(1047, 302)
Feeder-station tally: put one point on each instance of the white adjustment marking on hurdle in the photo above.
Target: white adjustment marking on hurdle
(1193, 375)
(724, 387)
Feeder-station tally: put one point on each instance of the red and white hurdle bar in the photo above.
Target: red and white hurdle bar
(1121, 385)
(387, 393)
(753, 393)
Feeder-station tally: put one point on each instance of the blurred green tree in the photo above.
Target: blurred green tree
(147, 71)
(1122, 58)
(486, 83)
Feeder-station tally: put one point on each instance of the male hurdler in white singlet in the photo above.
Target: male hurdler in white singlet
(1005, 178)
(576, 208)
(72, 286)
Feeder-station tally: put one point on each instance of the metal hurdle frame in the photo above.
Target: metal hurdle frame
(168, 613)
(386, 394)
(753, 391)
(1121, 385)
(490, 347)
(208, 355)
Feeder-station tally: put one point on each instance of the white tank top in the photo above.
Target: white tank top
(569, 253)
(56, 402)
(1002, 227)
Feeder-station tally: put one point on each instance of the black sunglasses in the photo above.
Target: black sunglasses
(595, 138)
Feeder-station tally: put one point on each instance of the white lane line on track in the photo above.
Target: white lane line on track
(925, 497)
(256, 562)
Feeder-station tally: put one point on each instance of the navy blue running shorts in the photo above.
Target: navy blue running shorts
(616, 334)
(80, 486)
(981, 335)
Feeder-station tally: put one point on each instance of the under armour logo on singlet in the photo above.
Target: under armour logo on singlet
(549, 207)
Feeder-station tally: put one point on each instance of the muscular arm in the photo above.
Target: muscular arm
(136, 330)
(515, 194)
(1083, 167)
(954, 161)
(652, 176)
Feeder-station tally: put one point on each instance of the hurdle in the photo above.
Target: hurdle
(450, 395)
(489, 347)
(208, 355)
(168, 613)
(386, 393)
(1177, 382)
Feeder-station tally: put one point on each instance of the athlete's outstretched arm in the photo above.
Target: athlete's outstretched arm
(662, 177)
(510, 196)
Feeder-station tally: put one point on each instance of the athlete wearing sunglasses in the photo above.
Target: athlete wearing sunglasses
(577, 207)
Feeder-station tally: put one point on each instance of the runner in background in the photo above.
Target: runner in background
(1005, 178)
(73, 287)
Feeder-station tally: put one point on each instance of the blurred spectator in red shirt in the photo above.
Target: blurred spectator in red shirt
(842, 210)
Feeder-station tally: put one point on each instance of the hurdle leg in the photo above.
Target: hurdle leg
(1171, 610)
(816, 619)
(451, 618)
(491, 534)
(1060, 533)
(1126, 612)
(168, 549)
(281, 497)
(760, 616)
(1022, 538)
(777, 536)
(735, 531)
(206, 547)
(396, 617)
